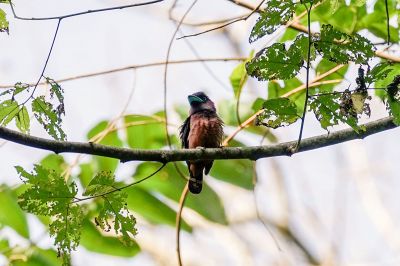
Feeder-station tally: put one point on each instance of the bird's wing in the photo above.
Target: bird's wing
(184, 133)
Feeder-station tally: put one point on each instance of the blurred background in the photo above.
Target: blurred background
(332, 206)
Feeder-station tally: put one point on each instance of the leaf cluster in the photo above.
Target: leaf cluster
(336, 43)
(46, 193)
(13, 107)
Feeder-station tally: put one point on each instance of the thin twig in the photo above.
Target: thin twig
(341, 92)
(226, 24)
(303, 118)
(387, 21)
(178, 222)
(178, 170)
(82, 12)
(114, 70)
(212, 22)
(386, 56)
(311, 85)
(171, 9)
(206, 67)
(166, 69)
(239, 121)
(47, 60)
(168, 137)
(121, 188)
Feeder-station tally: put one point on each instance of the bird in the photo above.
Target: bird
(201, 129)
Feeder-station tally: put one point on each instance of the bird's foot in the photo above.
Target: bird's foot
(200, 148)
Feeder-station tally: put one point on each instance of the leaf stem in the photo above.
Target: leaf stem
(121, 188)
(387, 21)
(307, 75)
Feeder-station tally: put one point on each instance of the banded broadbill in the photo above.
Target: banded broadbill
(203, 128)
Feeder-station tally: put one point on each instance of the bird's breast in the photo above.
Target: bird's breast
(205, 131)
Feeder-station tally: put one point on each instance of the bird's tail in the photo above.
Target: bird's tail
(196, 179)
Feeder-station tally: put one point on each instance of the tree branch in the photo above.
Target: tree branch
(165, 156)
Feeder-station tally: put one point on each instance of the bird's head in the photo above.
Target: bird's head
(199, 101)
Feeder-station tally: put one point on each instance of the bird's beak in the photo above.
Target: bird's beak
(193, 98)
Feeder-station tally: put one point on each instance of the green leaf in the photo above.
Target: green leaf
(394, 110)
(93, 240)
(20, 87)
(66, 229)
(23, 121)
(378, 27)
(257, 104)
(338, 14)
(323, 67)
(276, 13)
(86, 173)
(146, 132)
(329, 111)
(227, 112)
(375, 21)
(8, 110)
(54, 162)
(170, 184)
(238, 78)
(111, 139)
(4, 26)
(237, 172)
(301, 44)
(114, 207)
(102, 183)
(4, 245)
(39, 257)
(275, 62)
(289, 35)
(48, 117)
(334, 5)
(152, 209)
(275, 90)
(383, 76)
(379, 72)
(55, 89)
(341, 48)
(10, 212)
(278, 112)
(48, 194)
(359, 2)
(393, 102)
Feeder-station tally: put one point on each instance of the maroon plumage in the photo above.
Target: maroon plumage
(203, 128)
